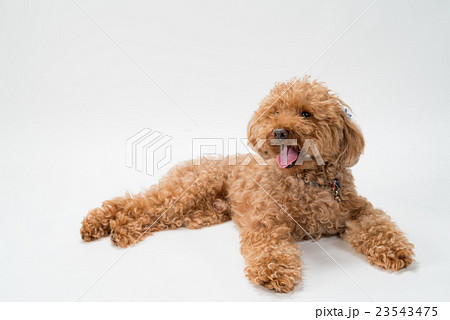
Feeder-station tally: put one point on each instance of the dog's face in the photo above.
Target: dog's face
(305, 111)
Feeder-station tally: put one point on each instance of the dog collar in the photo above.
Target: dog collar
(335, 187)
(333, 184)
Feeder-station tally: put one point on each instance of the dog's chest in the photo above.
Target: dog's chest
(315, 211)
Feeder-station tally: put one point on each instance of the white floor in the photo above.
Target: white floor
(70, 97)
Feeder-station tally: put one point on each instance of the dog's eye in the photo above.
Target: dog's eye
(306, 114)
(275, 113)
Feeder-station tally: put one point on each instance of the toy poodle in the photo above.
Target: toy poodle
(281, 194)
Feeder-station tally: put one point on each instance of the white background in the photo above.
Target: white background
(70, 97)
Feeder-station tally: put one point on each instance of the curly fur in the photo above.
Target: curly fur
(217, 192)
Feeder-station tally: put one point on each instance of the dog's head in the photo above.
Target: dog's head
(304, 114)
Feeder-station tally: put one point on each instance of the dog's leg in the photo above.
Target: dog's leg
(373, 234)
(97, 222)
(127, 231)
(191, 196)
(272, 256)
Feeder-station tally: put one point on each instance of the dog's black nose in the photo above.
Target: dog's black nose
(280, 134)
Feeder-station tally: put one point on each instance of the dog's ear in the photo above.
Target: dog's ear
(352, 144)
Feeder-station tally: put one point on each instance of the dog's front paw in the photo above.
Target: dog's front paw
(392, 258)
(273, 276)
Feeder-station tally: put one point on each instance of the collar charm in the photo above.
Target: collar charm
(334, 184)
(336, 187)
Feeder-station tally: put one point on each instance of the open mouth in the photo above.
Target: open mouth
(287, 156)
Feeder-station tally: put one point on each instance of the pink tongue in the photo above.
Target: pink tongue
(287, 156)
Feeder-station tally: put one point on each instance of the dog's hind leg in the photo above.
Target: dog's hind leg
(134, 230)
(189, 195)
(97, 222)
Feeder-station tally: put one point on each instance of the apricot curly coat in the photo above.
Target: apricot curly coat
(273, 206)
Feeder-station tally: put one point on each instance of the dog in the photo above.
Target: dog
(296, 194)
